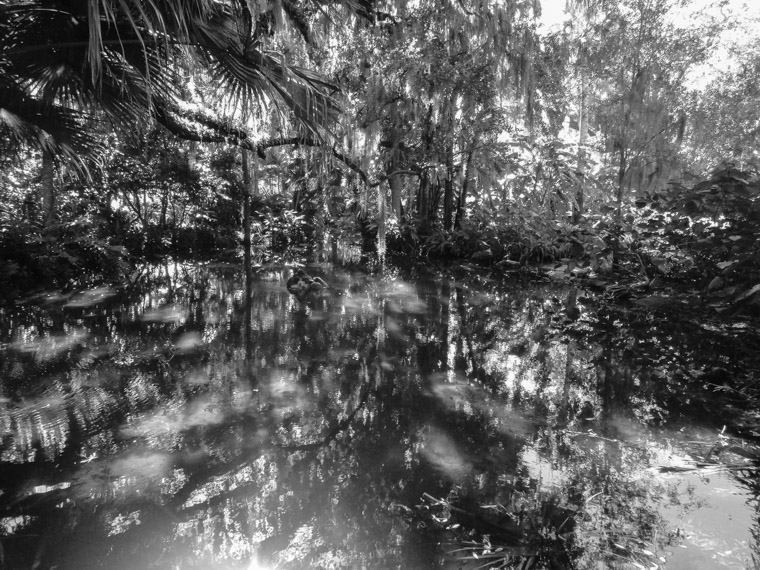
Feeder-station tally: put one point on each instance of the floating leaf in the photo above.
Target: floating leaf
(716, 283)
(749, 293)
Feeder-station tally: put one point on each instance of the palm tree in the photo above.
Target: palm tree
(65, 66)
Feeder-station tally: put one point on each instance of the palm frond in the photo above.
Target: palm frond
(253, 75)
(60, 62)
(59, 130)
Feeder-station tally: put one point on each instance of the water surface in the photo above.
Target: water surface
(426, 422)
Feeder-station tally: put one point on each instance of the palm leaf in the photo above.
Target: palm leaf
(125, 59)
(58, 130)
(253, 75)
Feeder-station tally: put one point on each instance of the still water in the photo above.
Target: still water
(396, 421)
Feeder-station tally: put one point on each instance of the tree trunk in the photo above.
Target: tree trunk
(192, 155)
(423, 201)
(381, 215)
(622, 165)
(448, 188)
(48, 188)
(164, 205)
(394, 183)
(448, 199)
(465, 186)
(425, 209)
(582, 139)
(394, 164)
(246, 220)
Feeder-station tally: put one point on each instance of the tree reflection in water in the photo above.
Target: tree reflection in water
(402, 423)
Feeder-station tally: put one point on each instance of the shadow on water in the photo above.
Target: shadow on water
(382, 423)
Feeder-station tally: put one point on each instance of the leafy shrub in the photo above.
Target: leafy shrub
(710, 231)
(64, 255)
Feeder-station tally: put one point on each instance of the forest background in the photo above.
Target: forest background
(609, 140)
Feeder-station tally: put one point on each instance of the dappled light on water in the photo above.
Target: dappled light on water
(385, 422)
(444, 455)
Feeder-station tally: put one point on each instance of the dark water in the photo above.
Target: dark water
(435, 422)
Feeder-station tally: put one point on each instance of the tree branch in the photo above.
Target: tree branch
(216, 131)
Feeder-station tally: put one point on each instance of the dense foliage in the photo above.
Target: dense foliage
(422, 131)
